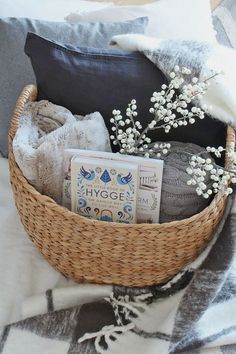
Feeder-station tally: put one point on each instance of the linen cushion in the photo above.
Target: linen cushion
(176, 19)
(15, 68)
(86, 80)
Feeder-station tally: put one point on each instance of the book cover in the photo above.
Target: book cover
(104, 190)
(150, 181)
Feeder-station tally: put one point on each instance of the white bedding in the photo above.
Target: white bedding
(23, 271)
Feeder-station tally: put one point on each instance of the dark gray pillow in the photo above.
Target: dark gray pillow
(15, 68)
(86, 80)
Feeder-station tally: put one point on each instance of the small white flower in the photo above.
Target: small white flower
(152, 110)
(176, 68)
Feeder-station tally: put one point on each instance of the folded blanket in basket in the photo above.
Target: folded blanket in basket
(194, 313)
(45, 131)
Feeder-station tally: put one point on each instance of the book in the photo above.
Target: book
(150, 181)
(104, 190)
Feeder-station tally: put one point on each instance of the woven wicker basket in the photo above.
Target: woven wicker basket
(102, 252)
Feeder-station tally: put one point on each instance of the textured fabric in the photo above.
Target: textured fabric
(45, 131)
(194, 313)
(178, 19)
(224, 19)
(15, 68)
(103, 80)
(178, 200)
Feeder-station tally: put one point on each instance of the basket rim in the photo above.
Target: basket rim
(31, 90)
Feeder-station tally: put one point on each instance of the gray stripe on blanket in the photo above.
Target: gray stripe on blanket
(228, 290)
(221, 34)
(59, 324)
(68, 325)
(206, 283)
(84, 348)
(50, 306)
(228, 349)
(225, 31)
(199, 343)
(3, 337)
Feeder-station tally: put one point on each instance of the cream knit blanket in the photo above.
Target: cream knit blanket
(44, 132)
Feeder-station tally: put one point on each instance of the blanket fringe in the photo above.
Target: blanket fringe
(107, 332)
(123, 309)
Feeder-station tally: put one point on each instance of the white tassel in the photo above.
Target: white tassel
(107, 332)
(121, 305)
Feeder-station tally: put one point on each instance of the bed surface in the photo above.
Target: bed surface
(23, 271)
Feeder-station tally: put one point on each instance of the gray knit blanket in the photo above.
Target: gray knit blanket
(194, 313)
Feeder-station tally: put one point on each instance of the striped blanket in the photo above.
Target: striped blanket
(193, 313)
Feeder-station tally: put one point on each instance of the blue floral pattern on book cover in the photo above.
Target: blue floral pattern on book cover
(106, 193)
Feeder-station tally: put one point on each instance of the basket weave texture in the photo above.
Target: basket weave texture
(108, 253)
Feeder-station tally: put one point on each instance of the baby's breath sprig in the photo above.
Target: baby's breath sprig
(170, 110)
(221, 177)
